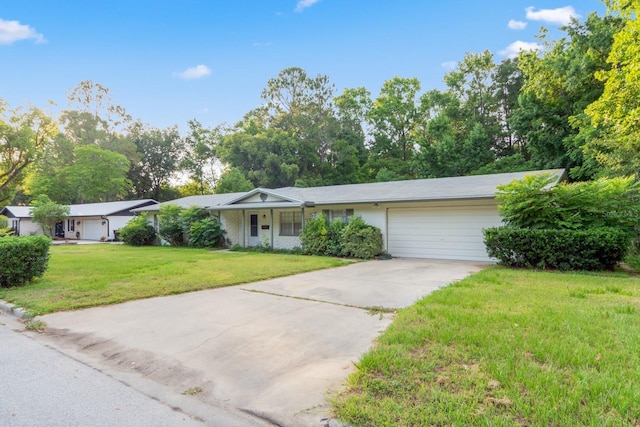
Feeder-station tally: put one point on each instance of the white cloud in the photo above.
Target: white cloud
(196, 72)
(560, 16)
(517, 25)
(303, 4)
(449, 65)
(516, 47)
(12, 31)
(262, 44)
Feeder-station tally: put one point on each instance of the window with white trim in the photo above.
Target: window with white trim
(343, 214)
(290, 223)
(70, 225)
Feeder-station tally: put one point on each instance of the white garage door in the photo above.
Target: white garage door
(441, 232)
(93, 229)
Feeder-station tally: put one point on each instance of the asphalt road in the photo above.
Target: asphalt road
(40, 386)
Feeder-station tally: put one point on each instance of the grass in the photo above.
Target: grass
(506, 347)
(81, 276)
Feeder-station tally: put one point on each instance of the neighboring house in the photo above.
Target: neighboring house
(438, 218)
(91, 221)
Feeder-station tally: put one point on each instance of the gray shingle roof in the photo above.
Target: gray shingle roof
(86, 209)
(209, 201)
(461, 187)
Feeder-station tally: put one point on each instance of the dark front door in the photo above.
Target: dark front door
(60, 229)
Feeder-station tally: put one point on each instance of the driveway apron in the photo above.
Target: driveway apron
(274, 349)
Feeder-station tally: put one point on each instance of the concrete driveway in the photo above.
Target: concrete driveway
(273, 349)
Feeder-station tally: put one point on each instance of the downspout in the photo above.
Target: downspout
(271, 227)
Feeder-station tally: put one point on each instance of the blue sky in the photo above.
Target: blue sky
(170, 61)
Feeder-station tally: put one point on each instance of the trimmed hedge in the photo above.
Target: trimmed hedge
(23, 258)
(591, 249)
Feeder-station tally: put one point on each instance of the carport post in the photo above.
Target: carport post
(243, 231)
(271, 227)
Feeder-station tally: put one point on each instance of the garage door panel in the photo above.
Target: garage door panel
(93, 229)
(440, 232)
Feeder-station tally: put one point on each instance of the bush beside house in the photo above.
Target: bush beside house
(579, 226)
(22, 259)
(355, 238)
(138, 232)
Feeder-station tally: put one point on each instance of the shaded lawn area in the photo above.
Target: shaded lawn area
(81, 276)
(506, 347)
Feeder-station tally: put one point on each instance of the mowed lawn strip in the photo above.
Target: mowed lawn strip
(81, 276)
(506, 347)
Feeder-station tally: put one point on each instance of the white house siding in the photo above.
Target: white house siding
(441, 230)
(28, 227)
(231, 222)
(116, 223)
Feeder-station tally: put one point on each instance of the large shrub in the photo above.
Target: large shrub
(315, 236)
(590, 249)
(353, 239)
(23, 259)
(360, 240)
(206, 233)
(170, 225)
(138, 231)
(193, 226)
(532, 202)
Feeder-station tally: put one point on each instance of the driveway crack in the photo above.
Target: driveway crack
(371, 309)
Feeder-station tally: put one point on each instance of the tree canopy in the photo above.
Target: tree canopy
(572, 104)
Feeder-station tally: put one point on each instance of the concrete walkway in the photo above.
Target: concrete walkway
(273, 348)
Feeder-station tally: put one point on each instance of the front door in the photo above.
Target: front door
(60, 229)
(254, 239)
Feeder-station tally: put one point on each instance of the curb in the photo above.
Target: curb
(14, 311)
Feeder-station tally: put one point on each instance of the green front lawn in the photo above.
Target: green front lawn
(81, 276)
(506, 347)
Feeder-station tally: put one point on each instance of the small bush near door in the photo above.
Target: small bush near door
(23, 259)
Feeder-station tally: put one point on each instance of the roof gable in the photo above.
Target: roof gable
(263, 195)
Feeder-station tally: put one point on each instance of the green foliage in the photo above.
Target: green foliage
(589, 249)
(22, 258)
(354, 239)
(170, 225)
(360, 240)
(232, 181)
(206, 233)
(315, 236)
(193, 226)
(138, 231)
(532, 203)
(48, 213)
(23, 137)
(5, 230)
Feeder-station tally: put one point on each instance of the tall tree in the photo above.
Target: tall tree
(200, 160)
(97, 175)
(393, 118)
(559, 83)
(23, 137)
(160, 153)
(616, 113)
